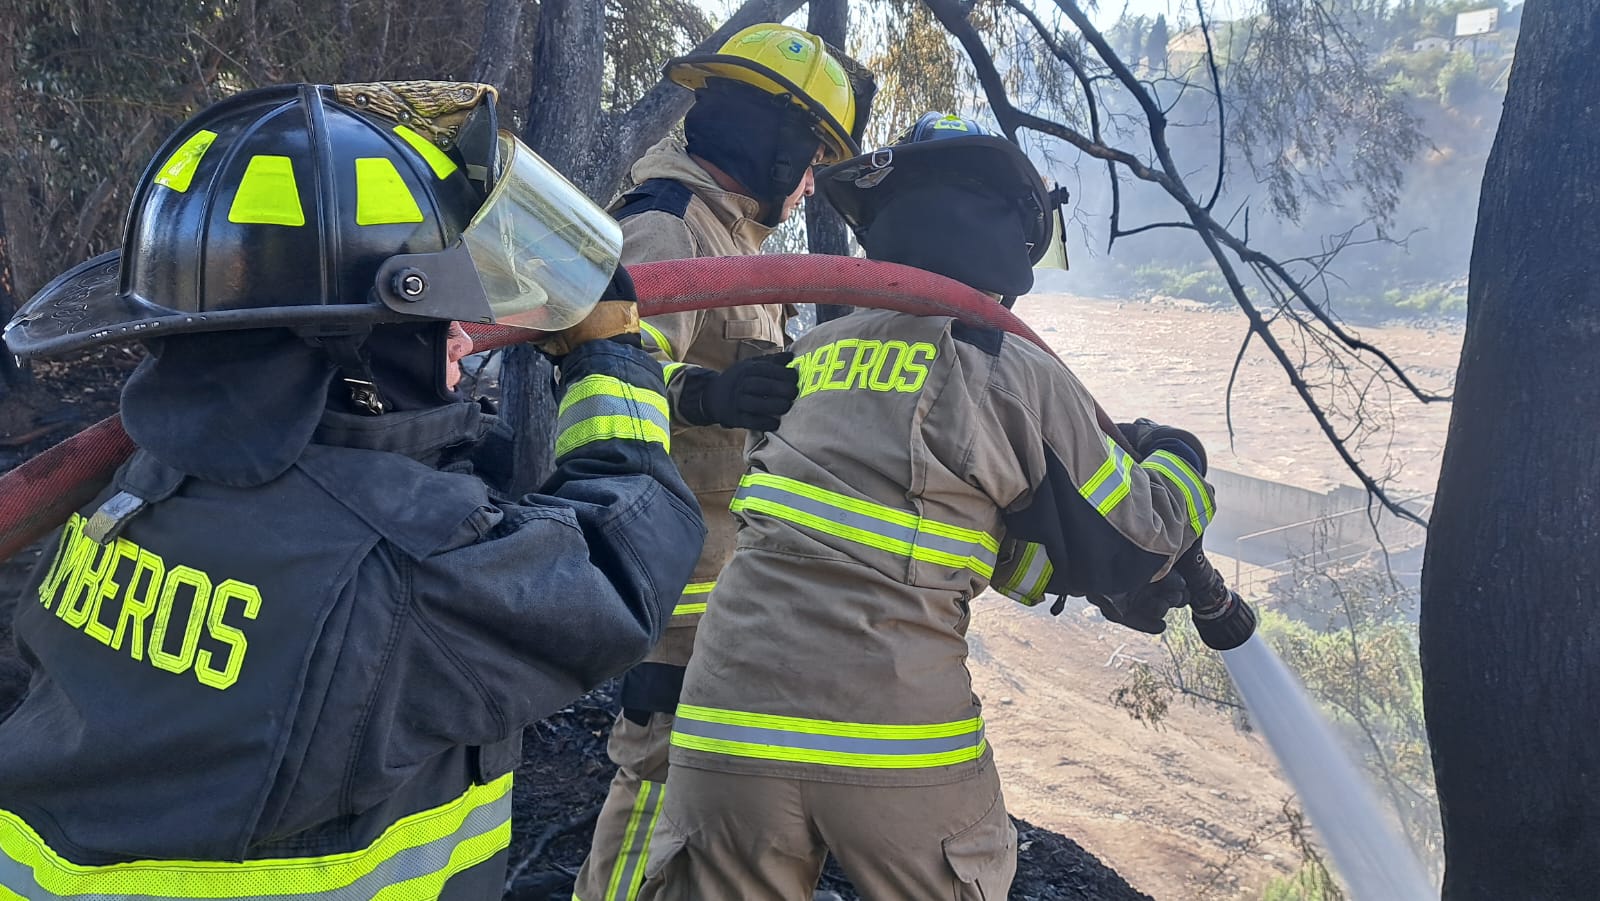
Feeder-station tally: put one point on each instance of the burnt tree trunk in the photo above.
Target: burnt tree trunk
(825, 229)
(568, 55)
(1510, 624)
(568, 61)
(10, 372)
(497, 48)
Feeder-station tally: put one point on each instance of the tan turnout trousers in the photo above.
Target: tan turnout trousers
(714, 223)
(766, 839)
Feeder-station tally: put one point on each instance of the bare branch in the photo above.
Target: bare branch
(1222, 109)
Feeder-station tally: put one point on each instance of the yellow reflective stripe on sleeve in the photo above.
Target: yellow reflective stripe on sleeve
(693, 590)
(411, 859)
(827, 742)
(1188, 483)
(267, 194)
(178, 171)
(864, 522)
(1027, 584)
(1109, 484)
(437, 160)
(603, 407)
(610, 428)
(671, 369)
(662, 344)
(382, 197)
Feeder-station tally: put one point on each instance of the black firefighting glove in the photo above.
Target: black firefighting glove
(1147, 437)
(1145, 608)
(750, 394)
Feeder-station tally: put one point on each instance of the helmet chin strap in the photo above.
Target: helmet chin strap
(355, 370)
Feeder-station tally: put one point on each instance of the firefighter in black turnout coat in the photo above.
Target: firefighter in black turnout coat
(290, 651)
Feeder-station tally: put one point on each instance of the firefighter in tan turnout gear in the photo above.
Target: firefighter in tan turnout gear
(769, 104)
(828, 706)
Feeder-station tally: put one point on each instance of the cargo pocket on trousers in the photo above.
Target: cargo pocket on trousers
(669, 855)
(983, 856)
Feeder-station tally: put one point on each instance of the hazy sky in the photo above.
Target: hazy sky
(1109, 11)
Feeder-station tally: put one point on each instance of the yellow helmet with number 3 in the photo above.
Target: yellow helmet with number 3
(828, 86)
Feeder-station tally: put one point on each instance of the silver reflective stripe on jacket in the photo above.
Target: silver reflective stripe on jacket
(864, 522)
(795, 739)
(423, 850)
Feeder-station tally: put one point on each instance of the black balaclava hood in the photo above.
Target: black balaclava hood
(231, 407)
(959, 231)
(763, 140)
(408, 363)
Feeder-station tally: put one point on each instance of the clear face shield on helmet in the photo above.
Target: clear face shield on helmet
(537, 255)
(544, 252)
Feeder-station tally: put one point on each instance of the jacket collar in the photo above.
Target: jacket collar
(736, 212)
(422, 435)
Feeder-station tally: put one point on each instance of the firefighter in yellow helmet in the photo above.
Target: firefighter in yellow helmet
(770, 103)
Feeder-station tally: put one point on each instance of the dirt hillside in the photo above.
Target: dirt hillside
(1169, 361)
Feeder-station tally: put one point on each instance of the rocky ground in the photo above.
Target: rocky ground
(564, 776)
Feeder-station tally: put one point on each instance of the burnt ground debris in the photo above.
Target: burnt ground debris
(564, 771)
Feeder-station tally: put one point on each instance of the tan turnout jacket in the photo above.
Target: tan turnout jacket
(715, 222)
(923, 460)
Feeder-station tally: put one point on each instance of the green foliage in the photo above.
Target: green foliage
(1309, 883)
(1203, 283)
(1415, 74)
(1434, 301)
(1459, 81)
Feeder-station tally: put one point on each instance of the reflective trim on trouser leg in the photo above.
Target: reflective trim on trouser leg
(627, 875)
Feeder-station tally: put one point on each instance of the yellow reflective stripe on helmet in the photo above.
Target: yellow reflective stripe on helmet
(178, 171)
(437, 160)
(603, 407)
(864, 522)
(1109, 484)
(1188, 483)
(662, 344)
(382, 197)
(802, 740)
(267, 194)
(693, 590)
(436, 843)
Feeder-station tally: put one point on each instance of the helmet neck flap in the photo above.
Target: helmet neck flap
(957, 230)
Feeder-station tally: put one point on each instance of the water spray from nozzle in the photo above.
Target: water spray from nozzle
(1374, 862)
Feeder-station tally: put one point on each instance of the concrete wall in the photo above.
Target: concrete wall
(1305, 522)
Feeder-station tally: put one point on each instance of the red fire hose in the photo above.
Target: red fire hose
(41, 493)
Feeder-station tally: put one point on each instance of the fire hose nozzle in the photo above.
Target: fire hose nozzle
(1226, 626)
(1222, 618)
